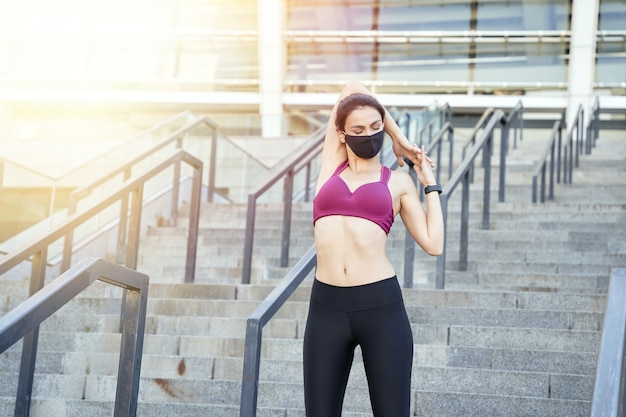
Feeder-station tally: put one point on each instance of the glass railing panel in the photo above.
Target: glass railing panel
(46, 198)
(26, 197)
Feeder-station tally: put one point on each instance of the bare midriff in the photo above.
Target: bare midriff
(350, 251)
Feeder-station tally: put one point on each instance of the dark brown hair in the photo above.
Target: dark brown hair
(352, 102)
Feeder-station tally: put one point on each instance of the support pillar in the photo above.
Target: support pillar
(272, 63)
(582, 56)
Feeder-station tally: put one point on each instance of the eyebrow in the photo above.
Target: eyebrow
(363, 127)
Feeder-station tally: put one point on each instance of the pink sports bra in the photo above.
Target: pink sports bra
(371, 201)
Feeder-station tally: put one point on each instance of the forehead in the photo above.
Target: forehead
(363, 116)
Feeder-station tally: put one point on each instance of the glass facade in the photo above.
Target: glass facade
(611, 50)
(450, 46)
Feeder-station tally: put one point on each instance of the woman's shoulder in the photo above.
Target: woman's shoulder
(400, 182)
(400, 177)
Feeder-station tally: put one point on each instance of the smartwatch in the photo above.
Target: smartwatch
(431, 188)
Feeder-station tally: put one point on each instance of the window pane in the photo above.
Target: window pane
(523, 15)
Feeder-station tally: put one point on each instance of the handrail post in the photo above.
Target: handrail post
(464, 222)
(129, 369)
(487, 149)
(194, 221)
(68, 242)
(504, 150)
(175, 195)
(579, 134)
(212, 168)
(120, 252)
(551, 186)
(451, 161)
(409, 247)
(307, 182)
(132, 248)
(440, 274)
(287, 205)
(31, 340)
(559, 148)
(252, 360)
(543, 183)
(608, 391)
(249, 240)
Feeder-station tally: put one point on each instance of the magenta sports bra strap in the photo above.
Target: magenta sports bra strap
(341, 167)
(385, 175)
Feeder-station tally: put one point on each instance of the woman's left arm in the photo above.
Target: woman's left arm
(426, 227)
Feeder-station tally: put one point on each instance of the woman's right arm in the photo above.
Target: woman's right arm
(334, 151)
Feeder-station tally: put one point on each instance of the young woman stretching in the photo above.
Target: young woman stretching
(356, 298)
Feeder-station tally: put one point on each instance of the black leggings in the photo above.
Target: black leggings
(340, 318)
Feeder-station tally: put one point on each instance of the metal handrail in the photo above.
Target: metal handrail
(38, 249)
(428, 126)
(610, 386)
(55, 180)
(24, 320)
(471, 141)
(125, 169)
(514, 119)
(553, 146)
(254, 330)
(462, 175)
(285, 171)
(573, 142)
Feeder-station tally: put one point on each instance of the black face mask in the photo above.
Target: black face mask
(366, 147)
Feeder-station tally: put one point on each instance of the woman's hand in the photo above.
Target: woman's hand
(424, 169)
(402, 148)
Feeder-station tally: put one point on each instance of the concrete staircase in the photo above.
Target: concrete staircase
(517, 334)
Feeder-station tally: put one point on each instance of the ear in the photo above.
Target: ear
(341, 136)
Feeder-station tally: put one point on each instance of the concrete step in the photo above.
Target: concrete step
(290, 396)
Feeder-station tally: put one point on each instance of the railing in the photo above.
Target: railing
(609, 391)
(200, 136)
(463, 175)
(515, 120)
(125, 171)
(565, 157)
(471, 141)
(38, 249)
(14, 173)
(553, 147)
(24, 321)
(254, 330)
(287, 172)
(573, 145)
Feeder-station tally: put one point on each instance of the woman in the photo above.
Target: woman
(356, 298)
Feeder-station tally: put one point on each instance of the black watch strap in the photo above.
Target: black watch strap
(431, 188)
